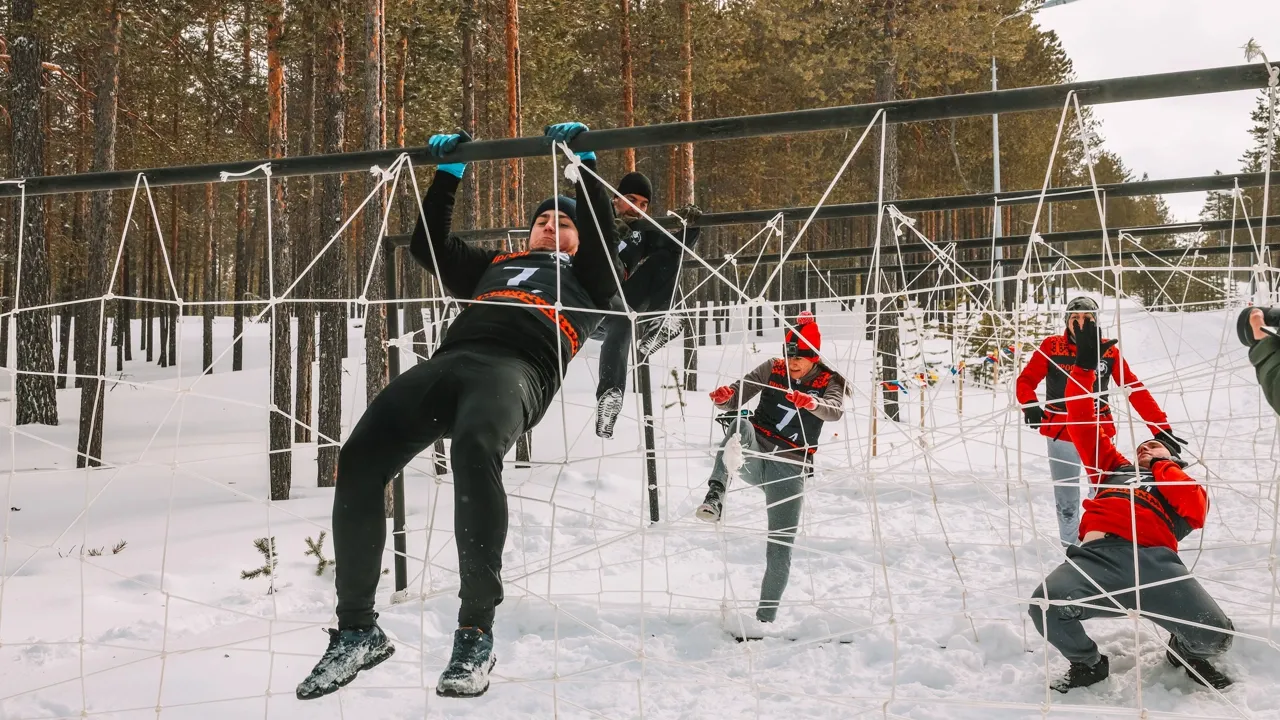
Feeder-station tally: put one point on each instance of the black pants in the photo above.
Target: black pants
(1108, 563)
(650, 289)
(482, 399)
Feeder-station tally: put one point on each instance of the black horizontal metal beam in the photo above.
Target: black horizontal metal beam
(1170, 186)
(1093, 92)
(1118, 256)
(983, 243)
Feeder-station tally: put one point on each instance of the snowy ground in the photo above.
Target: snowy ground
(921, 556)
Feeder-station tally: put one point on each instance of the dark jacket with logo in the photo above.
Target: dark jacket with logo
(781, 427)
(517, 294)
(1053, 363)
(651, 262)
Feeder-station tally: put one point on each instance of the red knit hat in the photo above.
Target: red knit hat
(809, 341)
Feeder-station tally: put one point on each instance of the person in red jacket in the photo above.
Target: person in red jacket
(1051, 364)
(1151, 505)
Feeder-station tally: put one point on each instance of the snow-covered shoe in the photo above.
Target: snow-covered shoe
(668, 328)
(468, 672)
(608, 407)
(1198, 669)
(349, 652)
(1082, 675)
(712, 505)
(743, 627)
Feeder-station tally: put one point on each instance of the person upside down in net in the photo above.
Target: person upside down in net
(772, 448)
(1152, 505)
(491, 379)
(651, 264)
(1051, 364)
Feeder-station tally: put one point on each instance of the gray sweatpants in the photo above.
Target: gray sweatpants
(1109, 564)
(783, 485)
(1064, 468)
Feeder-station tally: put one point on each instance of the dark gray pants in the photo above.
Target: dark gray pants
(1108, 564)
(783, 486)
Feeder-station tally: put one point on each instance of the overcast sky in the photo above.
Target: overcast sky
(1178, 137)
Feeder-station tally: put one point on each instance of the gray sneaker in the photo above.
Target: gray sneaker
(608, 407)
(349, 652)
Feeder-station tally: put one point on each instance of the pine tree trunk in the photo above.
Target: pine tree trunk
(89, 445)
(305, 245)
(331, 283)
(375, 138)
(242, 210)
(175, 322)
(467, 19)
(211, 224)
(887, 339)
(36, 394)
(628, 85)
(511, 190)
(686, 103)
(279, 270)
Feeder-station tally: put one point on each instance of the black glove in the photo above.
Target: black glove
(1089, 346)
(1034, 415)
(690, 213)
(1174, 443)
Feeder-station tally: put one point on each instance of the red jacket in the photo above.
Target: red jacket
(1111, 513)
(1054, 360)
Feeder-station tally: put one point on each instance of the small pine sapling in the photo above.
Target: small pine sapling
(316, 548)
(266, 546)
(119, 547)
(95, 552)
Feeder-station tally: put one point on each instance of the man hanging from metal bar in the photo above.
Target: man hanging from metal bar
(651, 264)
(491, 379)
(1128, 556)
(773, 447)
(1052, 362)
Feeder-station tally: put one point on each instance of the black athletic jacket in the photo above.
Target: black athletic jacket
(524, 286)
(651, 261)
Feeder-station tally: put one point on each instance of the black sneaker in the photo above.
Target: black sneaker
(1198, 669)
(1082, 675)
(712, 505)
(608, 407)
(349, 652)
(668, 328)
(468, 672)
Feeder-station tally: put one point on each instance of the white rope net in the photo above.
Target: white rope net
(920, 545)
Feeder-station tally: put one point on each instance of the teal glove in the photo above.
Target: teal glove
(566, 132)
(445, 143)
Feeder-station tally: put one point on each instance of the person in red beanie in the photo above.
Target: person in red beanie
(773, 446)
(1052, 364)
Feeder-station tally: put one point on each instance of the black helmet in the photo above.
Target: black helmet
(1081, 304)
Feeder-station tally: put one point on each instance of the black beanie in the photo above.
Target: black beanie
(566, 205)
(634, 183)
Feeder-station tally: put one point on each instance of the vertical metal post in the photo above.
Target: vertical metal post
(390, 256)
(650, 452)
(998, 270)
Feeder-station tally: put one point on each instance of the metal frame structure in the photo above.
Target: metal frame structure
(1146, 87)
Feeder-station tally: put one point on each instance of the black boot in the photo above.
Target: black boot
(1082, 675)
(712, 504)
(349, 652)
(1198, 669)
(468, 672)
(664, 331)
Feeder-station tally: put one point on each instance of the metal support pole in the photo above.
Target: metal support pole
(390, 256)
(650, 451)
(998, 273)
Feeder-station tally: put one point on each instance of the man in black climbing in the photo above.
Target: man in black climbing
(491, 379)
(651, 266)
(773, 447)
(1151, 505)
